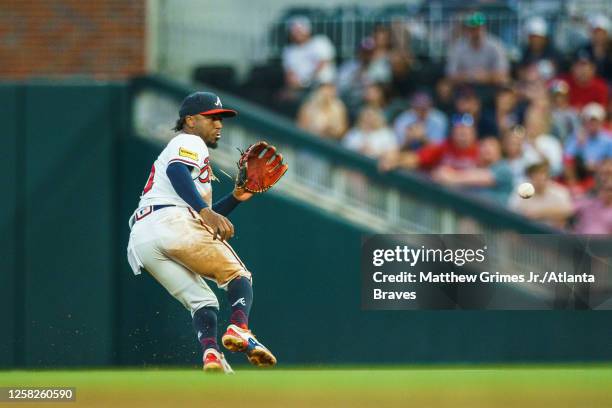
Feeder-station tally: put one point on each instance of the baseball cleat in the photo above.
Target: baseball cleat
(240, 340)
(215, 362)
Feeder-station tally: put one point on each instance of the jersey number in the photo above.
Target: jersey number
(149, 184)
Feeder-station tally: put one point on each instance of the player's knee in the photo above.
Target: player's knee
(204, 303)
(240, 274)
(206, 313)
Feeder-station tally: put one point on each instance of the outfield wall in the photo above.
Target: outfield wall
(71, 174)
(58, 181)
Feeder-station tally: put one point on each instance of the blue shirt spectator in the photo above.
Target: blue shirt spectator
(421, 124)
(591, 143)
(593, 150)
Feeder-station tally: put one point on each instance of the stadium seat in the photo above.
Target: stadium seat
(263, 82)
(222, 76)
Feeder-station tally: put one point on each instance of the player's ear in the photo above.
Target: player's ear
(189, 121)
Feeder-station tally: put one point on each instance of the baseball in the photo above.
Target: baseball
(526, 190)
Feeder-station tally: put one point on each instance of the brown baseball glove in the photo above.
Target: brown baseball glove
(259, 168)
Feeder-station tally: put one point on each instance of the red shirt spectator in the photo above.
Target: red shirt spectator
(449, 154)
(459, 151)
(584, 85)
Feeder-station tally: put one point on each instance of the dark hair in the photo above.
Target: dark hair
(180, 122)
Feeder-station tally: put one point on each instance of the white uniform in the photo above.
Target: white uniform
(173, 244)
(183, 148)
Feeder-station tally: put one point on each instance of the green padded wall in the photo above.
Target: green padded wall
(69, 134)
(9, 223)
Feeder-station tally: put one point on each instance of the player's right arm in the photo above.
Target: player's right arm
(185, 153)
(179, 175)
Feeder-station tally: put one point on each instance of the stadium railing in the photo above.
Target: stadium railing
(428, 27)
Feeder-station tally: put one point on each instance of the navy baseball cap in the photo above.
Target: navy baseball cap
(204, 103)
(584, 55)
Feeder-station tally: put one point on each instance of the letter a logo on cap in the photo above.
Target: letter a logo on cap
(218, 103)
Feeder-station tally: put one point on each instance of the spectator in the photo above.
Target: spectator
(538, 120)
(518, 153)
(531, 85)
(403, 63)
(587, 148)
(382, 42)
(375, 96)
(468, 102)
(608, 123)
(600, 46)
(307, 60)
(444, 96)
(539, 50)
(432, 122)
(478, 58)
(584, 85)
(565, 120)
(594, 214)
(323, 113)
(573, 32)
(507, 112)
(371, 136)
(356, 74)
(458, 151)
(551, 204)
(492, 179)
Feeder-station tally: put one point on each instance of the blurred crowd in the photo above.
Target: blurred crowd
(488, 124)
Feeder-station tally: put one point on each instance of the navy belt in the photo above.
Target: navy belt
(159, 207)
(144, 211)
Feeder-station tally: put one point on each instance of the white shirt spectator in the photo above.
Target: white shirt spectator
(373, 143)
(371, 136)
(550, 148)
(352, 73)
(555, 197)
(304, 60)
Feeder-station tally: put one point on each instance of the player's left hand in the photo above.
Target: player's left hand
(259, 168)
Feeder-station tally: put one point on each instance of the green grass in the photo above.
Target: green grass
(518, 386)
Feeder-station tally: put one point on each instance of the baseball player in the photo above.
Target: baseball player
(180, 237)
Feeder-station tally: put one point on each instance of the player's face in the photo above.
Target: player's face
(208, 128)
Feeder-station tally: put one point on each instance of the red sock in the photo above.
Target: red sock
(240, 319)
(240, 296)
